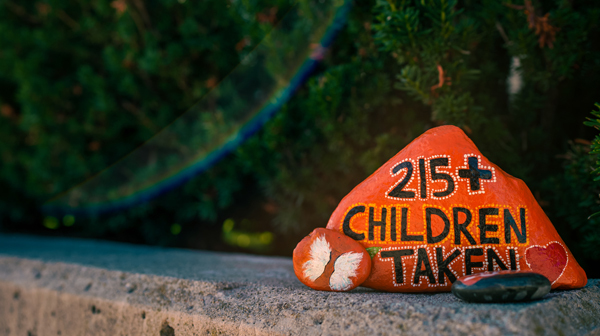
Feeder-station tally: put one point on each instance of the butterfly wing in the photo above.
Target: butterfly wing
(320, 254)
(345, 267)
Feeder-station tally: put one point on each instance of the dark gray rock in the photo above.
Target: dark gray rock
(501, 286)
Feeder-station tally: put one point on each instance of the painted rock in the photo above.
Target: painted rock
(501, 286)
(330, 261)
(440, 210)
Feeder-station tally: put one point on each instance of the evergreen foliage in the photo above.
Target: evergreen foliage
(595, 146)
(82, 84)
(573, 200)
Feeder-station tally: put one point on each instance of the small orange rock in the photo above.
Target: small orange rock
(330, 261)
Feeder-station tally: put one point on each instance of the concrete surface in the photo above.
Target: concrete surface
(57, 286)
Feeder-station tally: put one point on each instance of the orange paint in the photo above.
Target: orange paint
(327, 257)
(440, 210)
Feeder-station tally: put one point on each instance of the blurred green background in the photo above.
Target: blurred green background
(84, 82)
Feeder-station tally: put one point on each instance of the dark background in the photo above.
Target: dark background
(83, 83)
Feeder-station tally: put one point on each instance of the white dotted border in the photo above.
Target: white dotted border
(440, 169)
(433, 266)
(388, 228)
(395, 248)
(466, 166)
(427, 177)
(399, 180)
(475, 230)
(496, 267)
(357, 216)
(417, 172)
(430, 249)
(409, 231)
(444, 256)
(545, 247)
(445, 211)
(484, 247)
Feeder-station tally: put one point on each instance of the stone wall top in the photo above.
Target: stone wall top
(61, 286)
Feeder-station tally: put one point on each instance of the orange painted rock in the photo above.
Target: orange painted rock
(439, 210)
(330, 261)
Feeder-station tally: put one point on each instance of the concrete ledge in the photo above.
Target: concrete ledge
(79, 287)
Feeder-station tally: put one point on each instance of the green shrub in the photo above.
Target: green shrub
(84, 91)
(573, 194)
(84, 83)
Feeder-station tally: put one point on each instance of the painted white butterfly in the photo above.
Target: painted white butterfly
(320, 254)
(345, 266)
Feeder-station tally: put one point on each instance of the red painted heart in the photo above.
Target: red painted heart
(550, 261)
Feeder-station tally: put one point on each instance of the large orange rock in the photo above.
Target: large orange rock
(439, 210)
